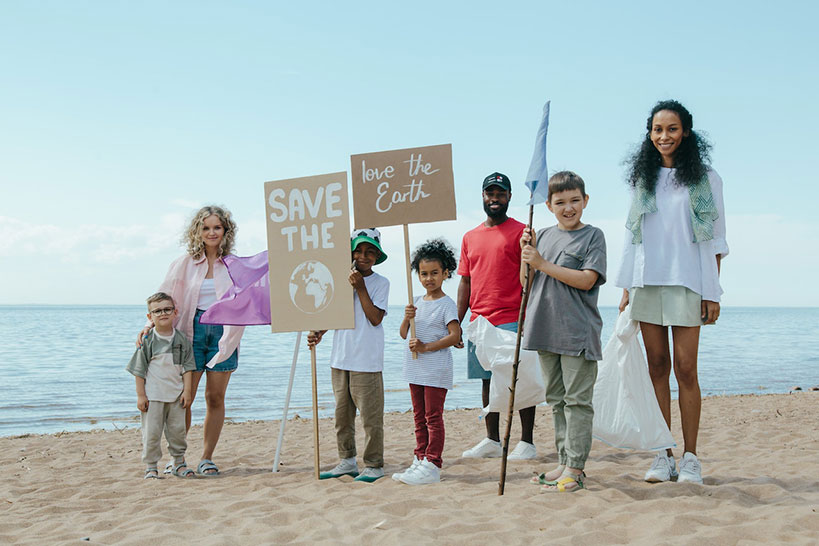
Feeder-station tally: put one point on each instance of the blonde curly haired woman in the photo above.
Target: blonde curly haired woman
(196, 280)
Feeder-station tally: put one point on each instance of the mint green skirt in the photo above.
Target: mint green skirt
(666, 305)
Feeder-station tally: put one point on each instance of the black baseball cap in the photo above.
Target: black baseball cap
(497, 179)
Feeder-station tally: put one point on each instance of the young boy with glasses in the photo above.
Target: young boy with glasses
(164, 387)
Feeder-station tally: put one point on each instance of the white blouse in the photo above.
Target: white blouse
(668, 256)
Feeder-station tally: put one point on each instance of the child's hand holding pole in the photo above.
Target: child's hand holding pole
(314, 337)
(528, 253)
(416, 346)
(409, 314)
(356, 279)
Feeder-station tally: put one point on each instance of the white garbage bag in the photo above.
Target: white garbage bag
(626, 413)
(495, 349)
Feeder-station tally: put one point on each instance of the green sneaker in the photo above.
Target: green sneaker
(370, 474)
(347, 467)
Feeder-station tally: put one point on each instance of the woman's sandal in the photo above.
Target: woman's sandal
(204, 466)
(560, 486)
(544, 478)
(182, 471)
(151, 474)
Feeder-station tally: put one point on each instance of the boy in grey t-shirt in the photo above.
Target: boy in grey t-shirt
(563, 323)
(161, 368)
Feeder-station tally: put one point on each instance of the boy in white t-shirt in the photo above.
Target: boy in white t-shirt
(357, 360)
(164, 386)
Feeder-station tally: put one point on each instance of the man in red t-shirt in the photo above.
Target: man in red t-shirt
(490, 287)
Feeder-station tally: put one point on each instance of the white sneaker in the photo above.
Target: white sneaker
(424, 473)
(663, 468)
(415, 462)
(485, 449)
(523, 451)
(346, 467)
(690, 469)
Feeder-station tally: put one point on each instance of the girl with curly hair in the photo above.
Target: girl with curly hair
(430, 375)
(196, 280)
(669, 273)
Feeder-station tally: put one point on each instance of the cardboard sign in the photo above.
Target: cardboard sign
(308, 249)
(403, 186)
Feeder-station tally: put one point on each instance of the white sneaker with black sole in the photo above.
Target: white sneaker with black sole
(663, 469)
(690, 469)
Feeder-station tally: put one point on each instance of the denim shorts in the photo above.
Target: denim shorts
(474, 370)
(206, 344)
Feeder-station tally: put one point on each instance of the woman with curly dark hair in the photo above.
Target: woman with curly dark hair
(669, 272)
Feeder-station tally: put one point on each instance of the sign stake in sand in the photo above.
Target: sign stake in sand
(402, 187)
(308, 254)
(287, 403)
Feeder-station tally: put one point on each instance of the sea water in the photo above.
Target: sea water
(63, 367)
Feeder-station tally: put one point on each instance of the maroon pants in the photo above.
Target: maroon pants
(428, 407)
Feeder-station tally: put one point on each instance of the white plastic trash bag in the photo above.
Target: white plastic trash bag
(495, 349)
(626, 413)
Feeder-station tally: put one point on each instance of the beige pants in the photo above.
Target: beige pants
(168, 417)
(569, 388)
(365, 391)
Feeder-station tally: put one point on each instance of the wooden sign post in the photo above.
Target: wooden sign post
(402, 187)
(308, 253)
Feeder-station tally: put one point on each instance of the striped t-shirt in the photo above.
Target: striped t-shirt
(431, 369)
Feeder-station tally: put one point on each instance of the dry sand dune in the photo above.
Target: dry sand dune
(760, 456)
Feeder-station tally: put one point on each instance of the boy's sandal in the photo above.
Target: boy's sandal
(540, 479)
(168, 469)
(182, 471)
(559, 486)
(205, 465)
(151, 474)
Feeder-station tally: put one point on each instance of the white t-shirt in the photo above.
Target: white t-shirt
(163, 380)
(207, 295)
(668, 256)
(432, 369)
(362, 348)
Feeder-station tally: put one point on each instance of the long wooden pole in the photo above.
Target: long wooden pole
(521, 316)
(316, 457)
(409, 281)
(287, 403)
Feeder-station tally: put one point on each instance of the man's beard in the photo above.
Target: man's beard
(499, 213)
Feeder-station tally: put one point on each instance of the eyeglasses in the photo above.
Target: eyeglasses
(163, 311)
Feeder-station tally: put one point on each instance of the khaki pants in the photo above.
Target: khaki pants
(569, 388)
(365, 391)
(167, 416)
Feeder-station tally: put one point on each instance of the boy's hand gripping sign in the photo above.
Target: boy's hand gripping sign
(308, 241)
(406, 186)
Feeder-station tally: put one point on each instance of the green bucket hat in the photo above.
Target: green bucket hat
(368, 235)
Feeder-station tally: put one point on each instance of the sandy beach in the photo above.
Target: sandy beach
(760, 457)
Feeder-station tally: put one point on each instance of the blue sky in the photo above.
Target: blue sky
(120, 118)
